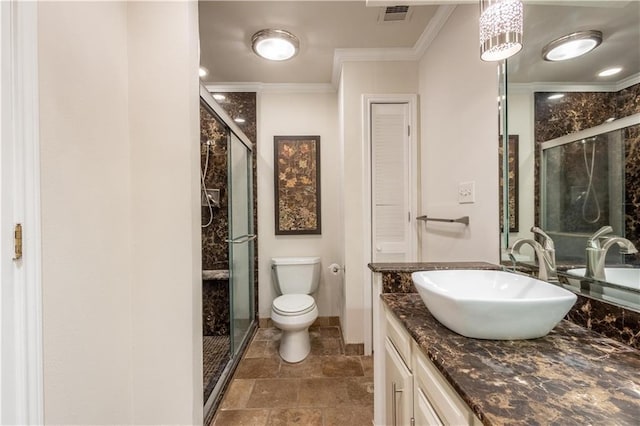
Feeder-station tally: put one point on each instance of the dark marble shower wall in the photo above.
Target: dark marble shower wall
(579, 111)
(215, 254)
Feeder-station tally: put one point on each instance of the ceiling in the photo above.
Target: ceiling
(226, 28)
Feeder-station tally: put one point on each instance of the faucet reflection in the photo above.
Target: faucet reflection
(545, 254)
(598, 245)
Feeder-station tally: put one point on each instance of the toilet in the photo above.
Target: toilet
(295, 279)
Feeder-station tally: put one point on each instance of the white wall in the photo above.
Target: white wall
(86, 246)
(459, 134)
(282, 114)
(120, 212)
(360, 78)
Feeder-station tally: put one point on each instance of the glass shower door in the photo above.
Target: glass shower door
(241, 242)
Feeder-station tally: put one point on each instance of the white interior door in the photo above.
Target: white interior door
(20, 293)
(391, 177)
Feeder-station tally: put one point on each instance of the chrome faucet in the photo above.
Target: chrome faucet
(545, 253)
(598, 245)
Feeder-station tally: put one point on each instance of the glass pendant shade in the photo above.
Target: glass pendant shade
(501, 24)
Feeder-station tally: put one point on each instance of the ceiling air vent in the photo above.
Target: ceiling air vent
(395, 14)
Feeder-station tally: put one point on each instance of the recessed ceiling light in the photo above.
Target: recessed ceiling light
(202, 72)
(239, 120)
(555, 96)
(219, 97)
(572, 45)
(609, 71)
(275, 45)
(609, 120)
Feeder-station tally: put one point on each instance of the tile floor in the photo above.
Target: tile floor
(327, 388)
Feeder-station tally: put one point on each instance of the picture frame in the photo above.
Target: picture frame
(297, 202)
(513, 200)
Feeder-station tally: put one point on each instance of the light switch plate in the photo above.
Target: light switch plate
(466, 192)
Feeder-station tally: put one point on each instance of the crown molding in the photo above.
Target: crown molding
(543, 86)
(415, 53)
(272, 87)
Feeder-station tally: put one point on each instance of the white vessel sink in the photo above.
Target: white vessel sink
(624, 277)
(493, 304)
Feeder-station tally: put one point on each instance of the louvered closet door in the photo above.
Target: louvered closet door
(390, 183)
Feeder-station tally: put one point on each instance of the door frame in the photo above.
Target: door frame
(367, 101)
(21, 359)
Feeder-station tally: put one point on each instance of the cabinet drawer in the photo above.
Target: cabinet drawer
(400, 338)
(451, 409)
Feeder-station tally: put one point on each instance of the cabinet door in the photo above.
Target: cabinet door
(424, 413)
(398, 387)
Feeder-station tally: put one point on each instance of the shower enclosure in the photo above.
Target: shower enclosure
(228, 236)
(583, 185)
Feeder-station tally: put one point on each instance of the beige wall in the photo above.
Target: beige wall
(360, 78)
(459, 142)
(85, 187)
(165, 212)
(300, 114)
(119, 155)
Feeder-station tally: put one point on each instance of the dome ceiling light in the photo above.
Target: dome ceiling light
(572, 45)
(501, 23)
(275, 45)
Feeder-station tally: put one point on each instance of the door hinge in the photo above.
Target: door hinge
(408, 130)
(409, 216)
(17, 241)
(413, 421)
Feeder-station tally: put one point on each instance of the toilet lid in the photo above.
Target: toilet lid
(293, 304)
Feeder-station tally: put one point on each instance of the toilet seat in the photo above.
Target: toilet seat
(293, 304)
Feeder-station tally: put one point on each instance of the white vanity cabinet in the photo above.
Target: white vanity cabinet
(415, 392)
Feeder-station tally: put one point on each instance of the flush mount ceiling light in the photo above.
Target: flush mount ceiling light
(275, 45)
(609, 72)
(572, 45)
(500, 29)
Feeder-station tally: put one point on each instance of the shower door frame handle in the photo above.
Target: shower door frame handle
(242, 239)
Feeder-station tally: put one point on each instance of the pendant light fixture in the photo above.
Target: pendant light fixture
(501, 23)
(275, 45)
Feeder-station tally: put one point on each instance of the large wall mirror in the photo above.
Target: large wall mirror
(572, 141)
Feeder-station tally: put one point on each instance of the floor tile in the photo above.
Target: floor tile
(274, 393)
(328, 346)
(237, 394)
(256, 349)
(308, 368)
(295, 416)
(341, 366)
(351, 416)
(330, 332)
(323, 392)
(257, 368)
(241, 418)
(360, 390)
(267, 334)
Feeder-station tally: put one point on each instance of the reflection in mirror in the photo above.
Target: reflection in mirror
(578, 136)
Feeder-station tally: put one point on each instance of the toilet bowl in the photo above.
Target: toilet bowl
(293, 314)
(295, 279)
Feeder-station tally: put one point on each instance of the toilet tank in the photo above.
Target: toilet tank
(295, 275)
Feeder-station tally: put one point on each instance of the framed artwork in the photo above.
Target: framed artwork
(296, 171)
(513, 166)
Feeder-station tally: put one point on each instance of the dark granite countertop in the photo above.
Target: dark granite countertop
(428, 266)
(572, 376)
